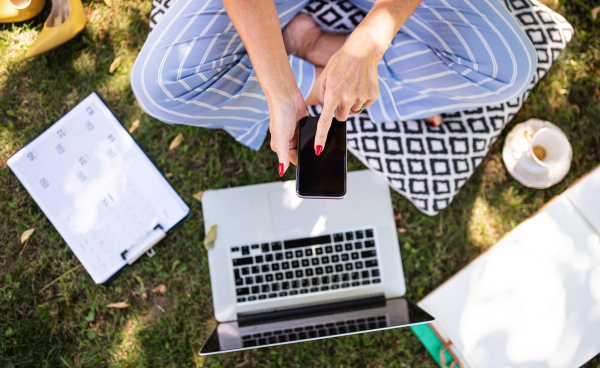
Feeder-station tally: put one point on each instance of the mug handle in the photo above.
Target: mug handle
(528, 135)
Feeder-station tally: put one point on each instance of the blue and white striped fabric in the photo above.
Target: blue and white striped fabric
(450, 55)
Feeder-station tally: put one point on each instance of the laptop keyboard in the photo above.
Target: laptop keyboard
(314, 331)
(292, 267)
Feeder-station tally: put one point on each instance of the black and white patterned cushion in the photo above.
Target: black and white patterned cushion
(335, 16)
(429, 165)
(159, 8)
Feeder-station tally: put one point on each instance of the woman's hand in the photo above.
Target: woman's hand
(348, 83)
(350, 78)
(257, 23)
(285, 111)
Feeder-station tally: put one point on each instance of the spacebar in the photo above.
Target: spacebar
(306, 242)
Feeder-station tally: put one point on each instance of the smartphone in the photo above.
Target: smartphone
(322, 176)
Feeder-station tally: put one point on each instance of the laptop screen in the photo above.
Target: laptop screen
(314, 322)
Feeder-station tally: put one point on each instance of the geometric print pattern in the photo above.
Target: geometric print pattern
(159, 8)
(428, 165)
(335, 16)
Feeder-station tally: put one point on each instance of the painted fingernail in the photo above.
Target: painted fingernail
(280, 170)
(318, 150)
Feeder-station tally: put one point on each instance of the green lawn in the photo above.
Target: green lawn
(69, 325)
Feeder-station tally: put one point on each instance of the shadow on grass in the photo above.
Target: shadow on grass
(69, 324)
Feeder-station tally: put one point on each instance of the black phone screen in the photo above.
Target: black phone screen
(322, 176)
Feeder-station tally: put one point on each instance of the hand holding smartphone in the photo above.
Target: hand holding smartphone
(322, 176)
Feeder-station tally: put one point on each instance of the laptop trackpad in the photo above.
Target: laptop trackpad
(290, 212)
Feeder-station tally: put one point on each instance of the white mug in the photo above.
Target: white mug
(547, 147)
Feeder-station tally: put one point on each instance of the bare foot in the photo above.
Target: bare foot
(435, 120)
(59, 13)
(300, 35)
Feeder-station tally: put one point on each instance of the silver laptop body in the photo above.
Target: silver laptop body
(281, 264)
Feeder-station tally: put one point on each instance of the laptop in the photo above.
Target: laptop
(285, 269)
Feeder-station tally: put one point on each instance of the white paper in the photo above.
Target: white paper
(97, 187)
(532, 300)
(585, 196)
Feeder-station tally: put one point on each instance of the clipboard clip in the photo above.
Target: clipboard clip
(154, 237)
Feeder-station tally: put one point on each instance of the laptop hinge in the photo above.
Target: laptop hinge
(306, 311)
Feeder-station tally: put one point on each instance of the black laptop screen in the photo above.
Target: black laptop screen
(383, 314)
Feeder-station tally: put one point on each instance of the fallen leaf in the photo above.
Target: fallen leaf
(142, 287)
(552, 4)
(176, 142)
(115, 64)
(401, 230)
(134, 126)
(198, 359)
(144, 296)
(210, 324)
(119, 305)
(198, 196)
(108, 3)
(595, 12)
(168, 175)
(398, 217)
(209, 240)
(160, 289)
(26, 234)
(563, 91)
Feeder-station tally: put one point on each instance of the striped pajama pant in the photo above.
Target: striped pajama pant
(450, 55)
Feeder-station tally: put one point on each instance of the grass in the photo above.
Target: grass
(68, 323)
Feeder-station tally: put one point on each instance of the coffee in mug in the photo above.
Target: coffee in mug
(539, 152)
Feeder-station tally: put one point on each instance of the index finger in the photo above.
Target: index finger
(329, 107)
(282, 154)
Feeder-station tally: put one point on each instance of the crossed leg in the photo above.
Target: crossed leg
(304, 38)
(450, 55)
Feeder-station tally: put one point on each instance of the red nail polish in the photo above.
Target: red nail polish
(280, 170)
(318, 150)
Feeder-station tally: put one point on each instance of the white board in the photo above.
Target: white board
(532, 300)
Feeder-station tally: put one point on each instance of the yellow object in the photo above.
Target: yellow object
(12, 11)
(56, 31)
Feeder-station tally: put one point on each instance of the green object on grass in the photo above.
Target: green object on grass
(209, 240)
(431, 342)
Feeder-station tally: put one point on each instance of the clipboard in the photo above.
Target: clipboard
(99, 189)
